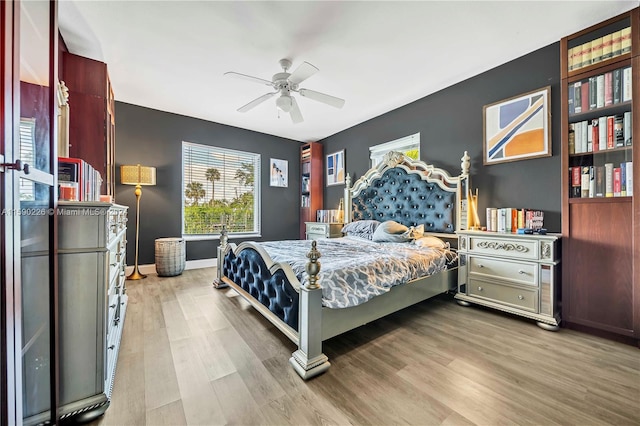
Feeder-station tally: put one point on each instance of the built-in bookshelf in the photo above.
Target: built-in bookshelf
(311, 183)
(600, 219)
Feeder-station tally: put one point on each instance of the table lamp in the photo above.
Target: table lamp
(137, 175)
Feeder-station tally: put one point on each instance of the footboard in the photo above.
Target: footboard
(274, 291)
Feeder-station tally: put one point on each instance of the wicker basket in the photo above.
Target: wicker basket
(170, 256)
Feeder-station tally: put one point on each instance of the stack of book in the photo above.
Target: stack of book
(600, 91)
(508, 219)
(600, 49)
(330, 216)
(600, 134)
(608, 180)
(78, 180)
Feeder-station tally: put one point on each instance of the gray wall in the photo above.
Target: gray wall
(154, 138)
(450, 122)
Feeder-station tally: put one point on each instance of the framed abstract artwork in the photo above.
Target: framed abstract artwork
(335, 168)
(517, 128)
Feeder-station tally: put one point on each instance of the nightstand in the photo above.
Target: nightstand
(316, 230)
(514, 273)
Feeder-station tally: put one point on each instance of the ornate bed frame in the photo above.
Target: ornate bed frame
(401, 189)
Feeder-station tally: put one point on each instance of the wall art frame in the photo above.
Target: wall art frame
(518, 128)
(334, 166)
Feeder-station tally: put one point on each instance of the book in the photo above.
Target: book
(584, 126)
(610, 132)
(585, 96)
(618, 130)
(616, 182)
(596, 50)
(514, 220)
(616, 43)
(592, 182)
(627, 129)
(626, 84)
(602, 136)
(606, 46)
(593, 93)
(502, 220)
(608, 180)
(623, 179)
(600, 87)
(589, 136)
(586, 54)
(584, 182)
(629, 173)
(571, 55)
(617, 86)
(595, 135)
(492, 217)
(576, 182)
(608, 88)
(599, 173)
(572, 138)
(80, 175)
(570, 93)
(625, 40)
(577, 97)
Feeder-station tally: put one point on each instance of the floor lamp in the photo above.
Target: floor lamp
(137, 175)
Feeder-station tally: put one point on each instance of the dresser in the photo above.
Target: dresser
(511, 272)
(317, 230)
(92, 303)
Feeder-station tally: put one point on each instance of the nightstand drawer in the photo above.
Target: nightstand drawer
(316, 230)
(518, 297)
(516, 248)
(516, 272)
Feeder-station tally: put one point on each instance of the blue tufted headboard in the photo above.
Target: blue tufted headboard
(412, 193)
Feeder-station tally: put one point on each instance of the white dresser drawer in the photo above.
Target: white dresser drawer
(506, 270)
(521, 249)
(521, 298)
(316, 230)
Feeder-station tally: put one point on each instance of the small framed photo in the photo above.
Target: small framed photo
(518, 128)
(279, 172)
(335, 168)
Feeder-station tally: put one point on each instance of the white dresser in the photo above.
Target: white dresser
(92, 303)
(317, 230)
(511, 272)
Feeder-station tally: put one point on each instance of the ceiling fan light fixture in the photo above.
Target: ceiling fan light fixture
(284, 103)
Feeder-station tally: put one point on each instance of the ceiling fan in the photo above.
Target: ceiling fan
(284, 84)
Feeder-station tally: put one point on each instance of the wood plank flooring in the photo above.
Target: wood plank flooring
(194, 355)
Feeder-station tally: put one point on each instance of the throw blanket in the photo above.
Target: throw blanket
(354, 270)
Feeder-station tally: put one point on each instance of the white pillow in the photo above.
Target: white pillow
(432, 242)
(392, 232)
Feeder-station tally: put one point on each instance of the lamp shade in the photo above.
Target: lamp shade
(137, 175)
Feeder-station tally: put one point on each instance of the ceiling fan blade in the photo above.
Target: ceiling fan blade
(296, 115)
(249, 78)
(303, 72)
(321, 97)
(256, 102)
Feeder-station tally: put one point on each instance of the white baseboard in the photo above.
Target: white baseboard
(189, 264)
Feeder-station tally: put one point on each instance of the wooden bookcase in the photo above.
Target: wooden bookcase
(92, 115)
(601, 234)
(311, 183)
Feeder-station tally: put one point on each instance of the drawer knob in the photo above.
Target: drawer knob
(479, 288)
(520, 271)
(480, 265)
(111, 347)
(112, 306)
(521, 297)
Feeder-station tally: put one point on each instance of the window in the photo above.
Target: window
(219, 186)
(409, 146)
(27, 151)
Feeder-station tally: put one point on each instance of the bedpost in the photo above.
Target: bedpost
(222, 248)
(463, 193)
(346, 206)
(308, 360)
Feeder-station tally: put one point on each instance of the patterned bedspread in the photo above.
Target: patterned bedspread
(354, 270)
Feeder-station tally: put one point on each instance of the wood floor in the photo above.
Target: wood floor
(194, 355)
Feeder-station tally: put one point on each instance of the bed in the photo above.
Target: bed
(310, 303)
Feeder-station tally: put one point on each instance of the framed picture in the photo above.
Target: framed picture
(518, 128)
(279, 172)
(335, 168)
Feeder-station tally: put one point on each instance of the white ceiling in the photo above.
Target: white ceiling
(377, 55)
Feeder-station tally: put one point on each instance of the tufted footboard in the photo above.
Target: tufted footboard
(274, 290)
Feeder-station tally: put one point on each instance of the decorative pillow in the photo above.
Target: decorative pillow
(361, 228)
(391, 231)
(432, 242)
